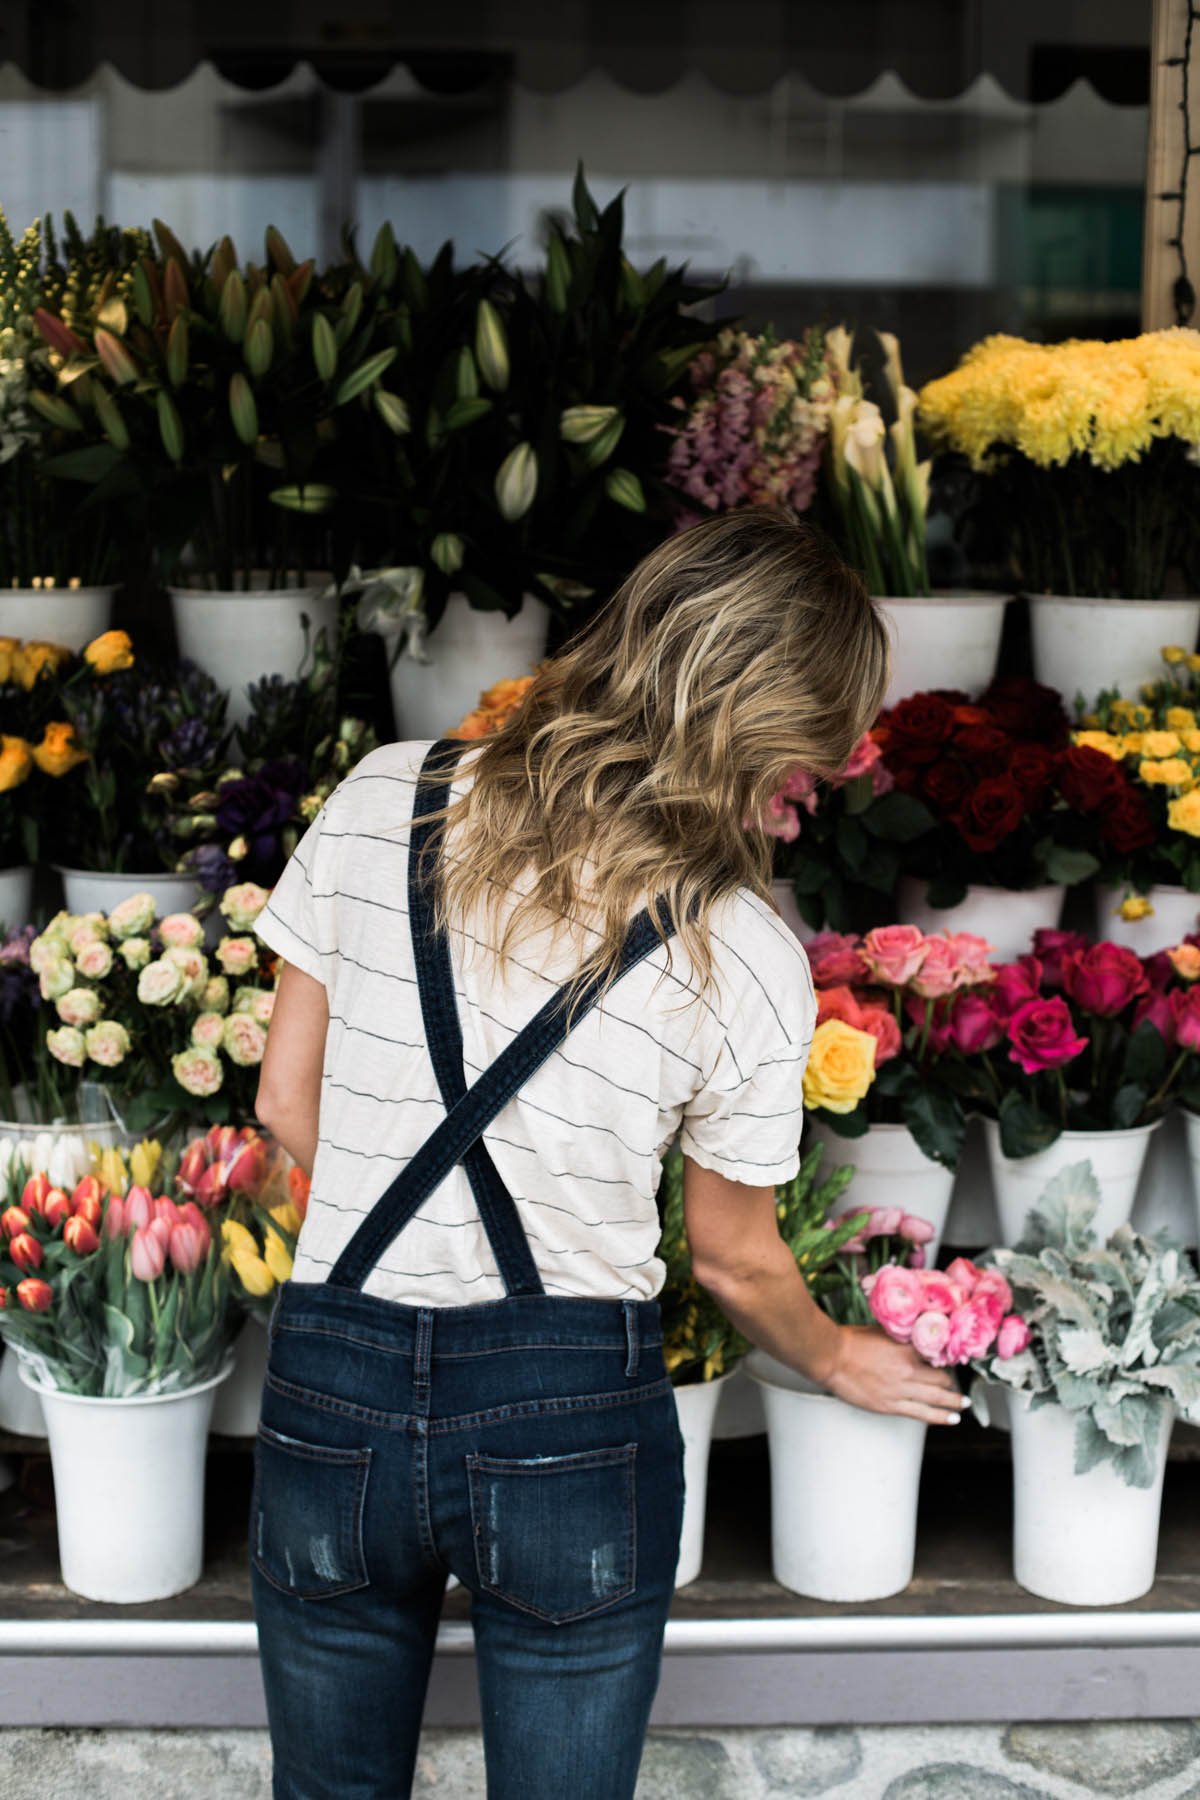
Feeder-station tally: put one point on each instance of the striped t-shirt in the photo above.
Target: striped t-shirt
(580, 1147)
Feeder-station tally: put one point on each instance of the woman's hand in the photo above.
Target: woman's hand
(871, 1370)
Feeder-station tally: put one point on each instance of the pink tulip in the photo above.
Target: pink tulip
(116, 1221)
(160, 1230)
(139, 1208)
(147, 1254)
(896, 1299)
(190, 1214)
(186, 1248)
(1013, 1336)
(930, 1335)
(166, 1209)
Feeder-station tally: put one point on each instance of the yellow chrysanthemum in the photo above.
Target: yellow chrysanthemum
(1180, 718)
(1160, 744)
(1173, 772)
(1104, 741)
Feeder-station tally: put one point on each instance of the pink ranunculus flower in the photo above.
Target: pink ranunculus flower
(1042, 1036)
(916, 1229)
(1015, 983)
(993, 1284)
(930, 1336)
(147, 1254)
(939, 971)
(917, 1257)
(884, 1221)
(1050, 947)
(833, 958)
(894, 953)
(1013, 1336)
(181, 931)
(973, 1026)
(972, 953)
(780, 821)
(896, 1300)
(972, 1330)
(942, 1294)
(1104, 978)
(964, 1273)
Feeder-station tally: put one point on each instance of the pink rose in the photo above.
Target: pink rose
(973, 1025)
(838, 1003)
(237, 955)
(865, 756)
(1185, 1009)
(971, 953)
(1104, 978)
(894, 953)
(1015, 983)
(930, 1337)
(833, 957)
(801, 786)
(883, 1028)
(896, 1299)
(1050, 947)
(1042, 1035)
(1013, 1336)
(94, 960)
(916, 1230)
(781, 821)
(972, 1329)
(939, 971)
(183, 931)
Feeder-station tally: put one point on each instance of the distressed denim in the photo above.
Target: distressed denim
(528, 1446)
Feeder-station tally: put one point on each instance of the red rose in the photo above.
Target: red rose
(986, 746)
(944, 786)
(1028, 710)
(1016, 983)
(1087, 778)
(995, 808)
(1031, 766)
(1126, 823)
(918, 726)
(1042, 1034)
(1156, 1006)
(1104, 978)
(1050, 947)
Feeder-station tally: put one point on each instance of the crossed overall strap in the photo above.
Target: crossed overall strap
(471, 1110)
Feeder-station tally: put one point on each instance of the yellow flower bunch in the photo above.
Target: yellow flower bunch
(1107, 402)
(120, 1169)
(259, 1266)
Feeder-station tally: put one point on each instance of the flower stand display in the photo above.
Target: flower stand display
(1007, 918)
(238, 637)
(467, 651)
(129, 1489)
(843, 1490)
(956, 634)
(1083, 1540)
(890, 1170)
(1081, 645)
(1116, 1156)
(696, 1403)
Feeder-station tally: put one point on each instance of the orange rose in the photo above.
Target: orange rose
(16, 761)
(111, 651)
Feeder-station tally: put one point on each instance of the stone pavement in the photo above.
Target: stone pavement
(1152, 1760)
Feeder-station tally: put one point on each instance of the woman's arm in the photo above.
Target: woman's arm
(289, 1085)
(740, 1258)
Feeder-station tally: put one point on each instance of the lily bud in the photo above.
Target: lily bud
(351, 307)
(447, 552)
(392, 411)
(25, 1251)
(366, 373)
(491, 346)
(143, 295)
(242, 409)
(623, 486)
(324, 348)
(59, 412)
(177, 351)
(258, 349)
(466, 381)
(111, 422)
(35, 1294)
(60, 337)
(558, 273)
(278, 251)
(176, 298)
(584, 424)
(57, 1208)
(170, 425)
(80, 1237)
(224, 259)
(384, 257)
(300, 280)
(233, 307)
(118, 364)
(168, 243)
(287, 313)
(516, 482)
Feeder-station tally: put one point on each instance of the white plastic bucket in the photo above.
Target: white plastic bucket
(1083, 645)
(70, 616)
(696, 1404)
(890, 1169)
(16, 896)
(1083, 1540)
(239, 637)
(843, 1490)
(955, 635)
(471, 650)
(1006, 917)
(1176, 913)
(99, 890)
(1116, 1158)
(129, 1489)
(239, 1400)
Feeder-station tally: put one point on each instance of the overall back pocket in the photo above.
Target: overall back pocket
(556, 1535)
(306, 1516)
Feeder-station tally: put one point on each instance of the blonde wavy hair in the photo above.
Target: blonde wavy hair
(736, 652)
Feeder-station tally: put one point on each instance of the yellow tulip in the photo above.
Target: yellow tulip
(253, 1274)
(111, 651)
(237, 1240)
(277, 1256)
(144, 1160)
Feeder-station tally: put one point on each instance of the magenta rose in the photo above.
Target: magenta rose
(973, 1025)
(1156, 1007)
(894, 953)
(972, 1330)
(896, 1300)
(1050, 947)
(1013, 1336)
(930, 1337)
(833, 958)
(1104, 978)
(1185, 1005)
(939, 970)
(1016, 983)
(1042, 1035)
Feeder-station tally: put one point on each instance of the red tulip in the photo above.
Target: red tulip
(6, 1299)
(89, 1208)
(115, 1221)
(139, 1207)
(187, 1249)
(88, 1188)
(79, 1236)
(35, 1294)
(25, 1251)
(192, 1164)
(35, 1191)
(244, 1172)
(222, 1141)
(56, 1208)
(211, 1186)
(14, 1219)
(147, 1254)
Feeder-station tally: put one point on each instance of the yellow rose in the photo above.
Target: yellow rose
(1180, 718)
(1193, 662)
(1172, 773)
(1135, 906)
(16, 760)
(1104, 741)
(1174, 653)
(1159, 744)
(111, 651)
(841, 1066)
(8, 650)
(34, 659)
(1185, 960)
(58, 752)
(1184, 814)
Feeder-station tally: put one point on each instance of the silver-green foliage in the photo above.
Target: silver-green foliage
(1115, 1327)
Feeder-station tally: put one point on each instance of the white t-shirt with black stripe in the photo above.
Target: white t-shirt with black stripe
(580, 1147)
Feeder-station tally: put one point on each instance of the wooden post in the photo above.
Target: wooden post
(1169, 138)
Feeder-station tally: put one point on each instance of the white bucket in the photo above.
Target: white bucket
(1176, 913)
(1006, 917)
(890, 1169)
(696, 1404)
(129, 1490)
(955, 635)
(971, 1220)
(99, 890)
(1116, 1158)
(1166, 1198)
(1081, 645)
(471, 650)
(1083, 1540)
(16, 896)
(69, 616)
(239, 1400)
(239, 637)
(784, 896)
(843, 1490)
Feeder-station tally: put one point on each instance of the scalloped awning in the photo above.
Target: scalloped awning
(937, 47)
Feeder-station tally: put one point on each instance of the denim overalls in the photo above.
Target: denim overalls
(528, 1445)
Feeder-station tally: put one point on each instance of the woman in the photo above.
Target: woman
(466, 1371)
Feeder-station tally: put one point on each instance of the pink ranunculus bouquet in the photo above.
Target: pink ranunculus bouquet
(893, 1007)
(950, 1316)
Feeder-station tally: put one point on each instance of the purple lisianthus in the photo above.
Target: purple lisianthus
(258, 808)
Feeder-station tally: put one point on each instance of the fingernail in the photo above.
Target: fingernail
(953, 1418)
